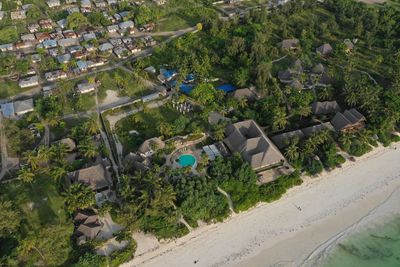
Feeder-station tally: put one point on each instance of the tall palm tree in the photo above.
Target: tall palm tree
(79, 196)
(59, 151)
(58, 173)
(26, 175)
(44, 154)
(242, 102)
(345, 140)
(88, 149)
(32, 159)
(91, 125)
(280, 120)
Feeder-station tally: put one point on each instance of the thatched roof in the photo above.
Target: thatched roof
(325, 107)
(249, 140)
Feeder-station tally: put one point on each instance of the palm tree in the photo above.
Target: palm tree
(279, 120)
(292, 152)
(58, 173)
(242, 102)
(59, 151)
(26, 175)
(92, 126)
(44, 154)
(27, 245)
(78, 196)
(345, 141)
(32, 159)
(88, 149)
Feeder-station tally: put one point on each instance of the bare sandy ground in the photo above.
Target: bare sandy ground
(278, 234)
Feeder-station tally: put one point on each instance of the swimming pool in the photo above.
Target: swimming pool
(187, 160)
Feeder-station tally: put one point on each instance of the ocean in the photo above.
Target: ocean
(373, 246)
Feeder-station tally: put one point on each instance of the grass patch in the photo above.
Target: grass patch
(140, 122)
(175, 22)
(48, 204)
(10, 88)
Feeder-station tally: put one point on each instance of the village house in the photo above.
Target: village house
(121, 52)
(6, 47)
(89, 36)
(65, 58)
(133, 48)
(98, 62)
(81, 66)
(86, 87)
(36, 58)
(69, 34)
(42, 36)
(29, 81)
(349, 45)
(105, 47)
(53, 51)
(349, 121)
(23, 107)
(127, 26)
(18, 15)
(86, 6)
(17, 108)
(49, 44)
(160, 2)
(290, 44)
(73, 9)
(112, 28)
(28, 37)
(149, 41)
(324, 49)
(33, 27)
(46, 24)
(247, 138)
(62, 23)
(100, 4)
(53, 3)
(68, 42)
(55, 75)
(24, 45)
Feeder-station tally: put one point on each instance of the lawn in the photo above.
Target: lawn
(146, 123)
(40, 201)
(174, 22)
(10, 88)
(132, 86)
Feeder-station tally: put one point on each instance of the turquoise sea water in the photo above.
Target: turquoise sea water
(377, 246)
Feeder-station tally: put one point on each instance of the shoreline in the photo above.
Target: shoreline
(272, 234)
(384, 212)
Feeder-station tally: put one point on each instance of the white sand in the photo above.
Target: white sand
(278, 234)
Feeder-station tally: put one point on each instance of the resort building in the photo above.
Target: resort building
(283, 140)
(247, 138)
(326, 107)
(96, 177)
(150, 146)
(349, 121)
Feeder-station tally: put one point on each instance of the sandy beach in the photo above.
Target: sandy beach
(279, 234)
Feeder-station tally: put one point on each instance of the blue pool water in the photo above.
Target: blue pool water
(186, 160)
